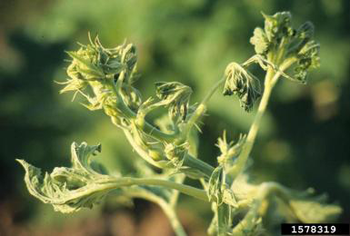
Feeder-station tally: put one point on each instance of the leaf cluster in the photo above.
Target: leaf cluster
(279, 38)
(105, 76)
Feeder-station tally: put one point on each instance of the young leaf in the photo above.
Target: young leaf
(291, 45)
(241, 82)
(260, 41)
(176, 96)
(229, 151)
(278, 26)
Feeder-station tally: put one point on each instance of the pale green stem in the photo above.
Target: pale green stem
(248, 145)
(213, 90)
(173, 219)
(201, 109)
(282, 68)
(188, 190)
(166, 207)
(189, 161)
(117, 182)
(140, 150)
(200, 165)
(146, 127)
(270, 80)
(175, 196)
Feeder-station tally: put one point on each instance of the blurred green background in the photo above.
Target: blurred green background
(304, 139)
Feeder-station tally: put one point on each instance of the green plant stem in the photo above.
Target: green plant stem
(188, 190)
(271, 79)
(189, 161)
(146, 127)
(200, 165)
(248, 145)
(173, 219)
(175, 196)
(213, 90)
(140, 150)
(167, 208)
(201, 109)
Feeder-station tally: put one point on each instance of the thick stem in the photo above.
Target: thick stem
(189, 161)
(188, 190)
(140, 150)
(200, 165)
(114, 183)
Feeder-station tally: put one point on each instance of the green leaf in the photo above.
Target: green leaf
(81, 154)
(284, 43)
(260, 41)
(132, 97)
(214, 186)
(306, 31)
(177, 155)
(307, 59)
(223, 202)
(108, 72)
(73, 85)
(85, 66)
(176, 96)
(278, 26)
(69, 189)
(241, 82)
(229, 151)
(304, 34)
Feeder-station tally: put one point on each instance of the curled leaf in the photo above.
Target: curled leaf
(241, 82)
(214, 186)
(176, 154)
(218, 190)
(176, 96)
(308, 58)
(94, 62)
(260, 41)
(229, 151)
(278, 26)
(291, 45)
(306, 31)
(303, 35)
(98, 68)
(86, 64)
(69, 189)
(132, 97)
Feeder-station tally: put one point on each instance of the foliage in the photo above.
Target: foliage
(105, 78)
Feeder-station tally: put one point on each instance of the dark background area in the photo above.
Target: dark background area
(304, 138)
